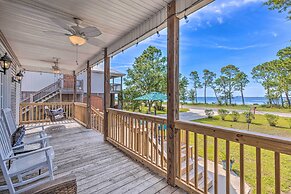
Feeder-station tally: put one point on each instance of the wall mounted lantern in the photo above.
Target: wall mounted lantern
(5, 62)
(18, 77)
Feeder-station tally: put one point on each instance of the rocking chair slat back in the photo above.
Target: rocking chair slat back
(9, 120)
(5, 149)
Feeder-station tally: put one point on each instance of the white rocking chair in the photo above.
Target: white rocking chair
(24, 167)
(29, 138)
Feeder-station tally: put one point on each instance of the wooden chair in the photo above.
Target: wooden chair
(62, 185)
(29, 138)
(24, 167)
(55, 115)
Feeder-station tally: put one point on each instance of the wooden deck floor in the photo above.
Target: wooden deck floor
(100, 167)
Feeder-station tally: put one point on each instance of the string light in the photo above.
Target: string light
(186, 19)
(158, 33)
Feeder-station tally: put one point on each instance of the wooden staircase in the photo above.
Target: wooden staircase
(191, 167)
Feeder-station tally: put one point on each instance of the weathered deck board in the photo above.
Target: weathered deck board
(100, 167)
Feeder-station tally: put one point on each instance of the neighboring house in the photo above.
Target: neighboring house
(48, 87)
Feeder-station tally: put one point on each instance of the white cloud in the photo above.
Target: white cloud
(216, 12)
(274, 34)
(220, 20)
(239, 48)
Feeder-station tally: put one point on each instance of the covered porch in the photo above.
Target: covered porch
(117, 151)
(98, 166)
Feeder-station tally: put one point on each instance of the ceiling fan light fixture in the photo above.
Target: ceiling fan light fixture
(77, 40)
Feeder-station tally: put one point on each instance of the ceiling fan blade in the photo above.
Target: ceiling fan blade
(90, 31)
(62, 24)
(56, 33)
(96, 42)
(76, 29)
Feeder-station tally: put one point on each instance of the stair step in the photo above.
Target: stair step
(192, 174)
(201, 183)
(183, 166)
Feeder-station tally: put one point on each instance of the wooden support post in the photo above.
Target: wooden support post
(172, 92)
(74, 87)
(106, 99)
(88, 95)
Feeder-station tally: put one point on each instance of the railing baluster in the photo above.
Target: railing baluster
(215, 166)
(205, 165)
(242, 171)
(258, 170)
(147, 140)
(162, 145)
(196, 160)
(152, 151)
(187, 157)
(277, 173)
(227, 167)
(157, 144)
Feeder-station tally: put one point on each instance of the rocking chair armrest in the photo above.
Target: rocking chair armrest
(32, 142)
(29, 153)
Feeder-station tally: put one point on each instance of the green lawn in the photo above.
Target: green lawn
(244, 107)
(259, 125)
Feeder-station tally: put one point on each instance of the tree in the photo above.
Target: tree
(230, 72)
(283, 77)
(192, 95)
(280, 5)
(221, 85)
(148, 74)
(196, 83)
(242, 81)
(208, 78)
(183, 84)
(263, 74)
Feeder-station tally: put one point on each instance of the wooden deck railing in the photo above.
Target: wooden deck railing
(189, 131)
(199, 146)
(142, 136)
(35, 112)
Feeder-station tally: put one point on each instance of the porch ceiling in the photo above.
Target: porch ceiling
(121, 22)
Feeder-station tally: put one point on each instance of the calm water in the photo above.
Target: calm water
(236, 100)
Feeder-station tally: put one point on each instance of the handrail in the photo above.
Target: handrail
(264, 141)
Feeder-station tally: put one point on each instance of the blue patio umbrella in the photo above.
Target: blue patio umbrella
(153, 96)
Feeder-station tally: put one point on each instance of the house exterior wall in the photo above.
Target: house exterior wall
(9, 91)
(97, 82)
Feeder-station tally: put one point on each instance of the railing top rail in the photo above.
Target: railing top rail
(80, 104)
(97, 111)
(264, 141)
(140, 115)
(44, 103)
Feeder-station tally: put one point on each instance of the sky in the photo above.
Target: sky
(244, 33)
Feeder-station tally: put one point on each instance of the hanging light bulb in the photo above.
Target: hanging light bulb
(186, 18)
(122, 51)
(158, 34)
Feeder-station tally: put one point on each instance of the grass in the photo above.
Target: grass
(244, 107)
(259, 125)
(145, 110)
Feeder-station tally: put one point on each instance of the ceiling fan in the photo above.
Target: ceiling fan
(76, 34)
(55, 67)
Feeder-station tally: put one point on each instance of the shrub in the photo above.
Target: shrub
(249, 116)
(289, 122)
(272, 119)
(209, 113)
(235, 116)
(223, 113)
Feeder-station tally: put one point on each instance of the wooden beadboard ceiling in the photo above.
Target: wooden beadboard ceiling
(23, 23)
